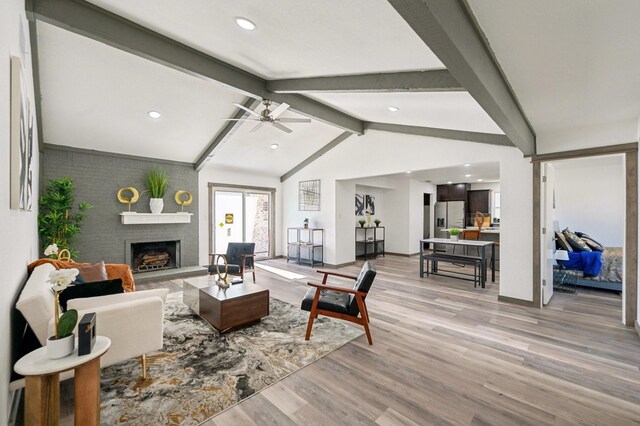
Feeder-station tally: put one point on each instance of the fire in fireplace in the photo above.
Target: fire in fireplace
(155, 255)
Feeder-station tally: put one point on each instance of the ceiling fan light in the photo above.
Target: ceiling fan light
(245, 24)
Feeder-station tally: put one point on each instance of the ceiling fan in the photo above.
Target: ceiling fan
(269, 116)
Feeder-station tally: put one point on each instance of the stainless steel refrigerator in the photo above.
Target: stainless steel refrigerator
(448, 214)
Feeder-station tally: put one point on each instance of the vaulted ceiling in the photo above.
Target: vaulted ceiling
(104, 65)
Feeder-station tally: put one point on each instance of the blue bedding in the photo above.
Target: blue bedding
(589, 262)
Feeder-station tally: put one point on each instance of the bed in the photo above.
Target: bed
(609, 277)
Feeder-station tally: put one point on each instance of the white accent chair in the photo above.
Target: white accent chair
(133, 321)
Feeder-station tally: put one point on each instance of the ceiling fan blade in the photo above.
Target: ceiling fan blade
(246, 109)
(281, 127)
(279, 110)
(294, 120)
(255, 129)
(239, 119)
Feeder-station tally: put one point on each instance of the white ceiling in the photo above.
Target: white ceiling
(293, 38)
(444, 110)
(572, 63)
(97, 97)
(251, 152)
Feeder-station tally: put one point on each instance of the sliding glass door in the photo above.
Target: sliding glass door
(240, 214)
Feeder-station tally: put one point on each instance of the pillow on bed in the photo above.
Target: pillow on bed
(593, 244)
(562, 243)
(575, 241)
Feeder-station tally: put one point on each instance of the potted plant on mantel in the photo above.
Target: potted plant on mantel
(157, 184)
(454, 233)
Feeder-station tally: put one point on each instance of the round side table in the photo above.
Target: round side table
(42, 384)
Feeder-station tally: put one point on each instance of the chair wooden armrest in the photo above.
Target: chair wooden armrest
(335, 274)
(338, 289)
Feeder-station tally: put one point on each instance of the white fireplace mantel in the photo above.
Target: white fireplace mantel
(133, 218)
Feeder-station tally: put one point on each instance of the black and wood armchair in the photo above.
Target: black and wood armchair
(240, 258)
(342, 303)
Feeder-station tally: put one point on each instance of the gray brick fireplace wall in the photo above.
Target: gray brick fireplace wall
(97, 177)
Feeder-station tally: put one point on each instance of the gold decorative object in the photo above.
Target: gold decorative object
(223, 281)
(135, 195)
(182, 202)
(65, 255)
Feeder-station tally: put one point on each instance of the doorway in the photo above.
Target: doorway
(241, 214)
(543, 223)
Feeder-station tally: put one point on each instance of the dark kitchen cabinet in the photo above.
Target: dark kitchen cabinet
(453, 192)
(478, 201)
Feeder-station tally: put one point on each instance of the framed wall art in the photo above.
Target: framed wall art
(22, 150)
(309, 195)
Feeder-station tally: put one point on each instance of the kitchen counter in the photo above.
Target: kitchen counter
(483, 231)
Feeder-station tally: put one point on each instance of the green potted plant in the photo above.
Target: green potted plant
(454, 233)
(58, 219)
(377, 222)
(306, 222)
(157, 184)
(362, 222)
(62, 342)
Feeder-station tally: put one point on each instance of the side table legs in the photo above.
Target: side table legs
(87, 394)
(42, 400)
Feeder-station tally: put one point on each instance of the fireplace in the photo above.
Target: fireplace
(154, 255)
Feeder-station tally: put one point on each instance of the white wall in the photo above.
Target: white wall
(219, 174)
(19, 228)
(590, 198)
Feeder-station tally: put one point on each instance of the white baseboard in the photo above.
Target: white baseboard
(637, 326)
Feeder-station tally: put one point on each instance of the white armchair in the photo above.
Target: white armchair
(133, 321)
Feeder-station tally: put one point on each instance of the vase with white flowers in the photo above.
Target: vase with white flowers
(51, 251)
(62, 343)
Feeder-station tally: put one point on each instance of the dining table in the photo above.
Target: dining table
(481, 245)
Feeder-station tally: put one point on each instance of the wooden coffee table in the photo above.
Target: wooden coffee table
(239, 305)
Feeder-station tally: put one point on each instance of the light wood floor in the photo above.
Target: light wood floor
(446, 353)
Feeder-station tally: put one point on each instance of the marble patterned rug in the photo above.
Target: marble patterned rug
(200, 372)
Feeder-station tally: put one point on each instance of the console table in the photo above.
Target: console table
(42, 385)
(370, 241)
(305, 245)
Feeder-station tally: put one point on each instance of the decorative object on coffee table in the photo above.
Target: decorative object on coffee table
(135, 195)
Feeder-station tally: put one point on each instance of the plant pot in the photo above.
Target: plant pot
(59, 348)
(306, 226)
(454, 238)
(156, 205)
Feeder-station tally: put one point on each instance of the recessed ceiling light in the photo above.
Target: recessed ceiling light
(479, 180)
(467, 165)
(274, 146)
(393, 108)
(467, 175)
(449, 182)
(154, 114)
(245, 24)
(408, 171)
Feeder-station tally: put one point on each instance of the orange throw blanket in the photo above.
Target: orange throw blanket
(114, 270)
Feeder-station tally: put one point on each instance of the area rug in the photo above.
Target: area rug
(200, 372)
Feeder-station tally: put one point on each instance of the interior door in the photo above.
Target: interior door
(548, 243)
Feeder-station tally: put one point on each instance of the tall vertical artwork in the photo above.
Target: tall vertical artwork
(359, 205)
(309, 195)
(370, 204)
(22, 128)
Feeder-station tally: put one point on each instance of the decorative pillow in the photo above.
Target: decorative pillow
(593, 244)
(93, 273)
(575, 241)
(100, 288)
(561, 242)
